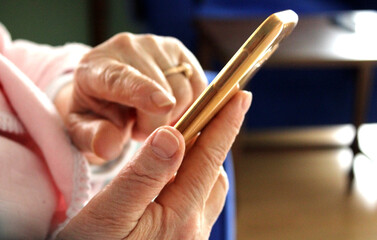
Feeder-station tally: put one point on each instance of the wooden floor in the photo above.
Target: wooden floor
(299, 191)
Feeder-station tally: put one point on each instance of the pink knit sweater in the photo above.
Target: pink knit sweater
(44, 180)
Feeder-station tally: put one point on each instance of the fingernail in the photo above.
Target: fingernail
(161, 99)
(165, 144)
(246, 101)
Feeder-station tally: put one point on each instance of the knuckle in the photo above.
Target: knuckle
(151, 42)
(175, 41)
(151, 227)
(82, 70)
(87, 56)
(121, 45)
(141, 176)
(196, 192)
(136, 85)
(122, 40)
(106, 222)
(151, 38)
(194, 226)
(181, 225)
(110, 77)
(73, 123)
(215, 154)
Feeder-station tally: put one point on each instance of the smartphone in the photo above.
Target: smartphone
(237, 72)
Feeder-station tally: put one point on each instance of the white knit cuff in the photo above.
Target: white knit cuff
(101, 175)
(55, 86)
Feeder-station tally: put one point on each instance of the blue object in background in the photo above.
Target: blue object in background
(225, 226)
(170, 18)
(301, 97)
(246, 8)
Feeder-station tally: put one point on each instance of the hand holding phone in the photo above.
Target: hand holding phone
(237, 72)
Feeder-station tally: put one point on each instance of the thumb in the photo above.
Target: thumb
(115, 211)
(98, 136)
(146, 175)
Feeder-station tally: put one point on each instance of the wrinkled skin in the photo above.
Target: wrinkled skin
(186, 207)
(165, 191)
(112, 98)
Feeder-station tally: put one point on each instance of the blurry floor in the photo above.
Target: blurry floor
(299, 191)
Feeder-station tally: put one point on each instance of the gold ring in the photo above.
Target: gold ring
(183, 68)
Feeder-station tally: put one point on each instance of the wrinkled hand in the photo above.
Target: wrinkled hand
(120, 91)
(186, 207)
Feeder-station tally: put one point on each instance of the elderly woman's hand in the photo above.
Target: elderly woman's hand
(186, 206)
(120, 91)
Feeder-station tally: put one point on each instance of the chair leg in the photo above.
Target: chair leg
(351, 174)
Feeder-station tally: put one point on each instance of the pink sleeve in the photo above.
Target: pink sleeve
(43, 63)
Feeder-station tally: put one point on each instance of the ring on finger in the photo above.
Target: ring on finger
(183, 68)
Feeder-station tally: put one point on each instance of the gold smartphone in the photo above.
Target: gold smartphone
(236, 73)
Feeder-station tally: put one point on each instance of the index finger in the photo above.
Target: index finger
(120, 83)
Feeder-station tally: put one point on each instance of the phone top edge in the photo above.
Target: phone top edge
(289, 19)
(287, 16)
(253, 52)
(277, 25)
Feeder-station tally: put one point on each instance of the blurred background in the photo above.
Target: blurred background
(305, 161)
